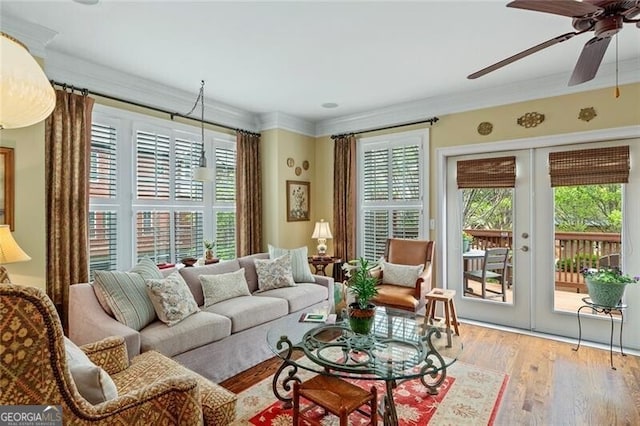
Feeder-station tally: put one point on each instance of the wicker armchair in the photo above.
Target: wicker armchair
(153, 389)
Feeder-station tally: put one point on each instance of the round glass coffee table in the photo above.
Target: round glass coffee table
(400, 347)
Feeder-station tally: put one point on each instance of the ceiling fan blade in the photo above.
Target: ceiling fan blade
(572, 8)
(589, 60)
(523, 54)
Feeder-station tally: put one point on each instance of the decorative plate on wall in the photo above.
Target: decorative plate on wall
(305, 165)
(298, 171)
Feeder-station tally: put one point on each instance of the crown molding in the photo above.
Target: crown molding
(84, 74)
(34, 36)
(543, 87)
(281, 120)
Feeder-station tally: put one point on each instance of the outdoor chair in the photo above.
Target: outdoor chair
(494, 267)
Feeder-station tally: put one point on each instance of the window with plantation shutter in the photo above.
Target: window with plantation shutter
(224, 201)
(225, 234)
(187, 156)
(103, 237)
(225, 188)
(188, 234)
(102, 178)
(153, 235)
(392, 186)
(153, 165)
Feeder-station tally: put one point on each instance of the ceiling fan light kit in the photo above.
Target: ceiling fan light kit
(604, 17)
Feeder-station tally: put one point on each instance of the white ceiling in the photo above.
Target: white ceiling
(291, 57)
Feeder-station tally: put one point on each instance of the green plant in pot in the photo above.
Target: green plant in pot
(606, 285)
(362, 285)
(466, 241)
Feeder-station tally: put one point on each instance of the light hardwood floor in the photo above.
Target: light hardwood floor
(549, 383)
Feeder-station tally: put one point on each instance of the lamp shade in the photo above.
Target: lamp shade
(322, 230)
(10, 251)
(26, 96)
(203, 174)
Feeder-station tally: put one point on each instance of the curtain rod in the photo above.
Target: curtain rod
(431, 121)
(85, 92)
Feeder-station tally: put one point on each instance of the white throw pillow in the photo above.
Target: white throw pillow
(404, 275)
(274, 273)
(299, 262)
(171, 298)
(93, 383)
(219, 287)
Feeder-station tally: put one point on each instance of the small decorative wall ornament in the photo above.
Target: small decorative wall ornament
(485, 128)
(290, 162)
(531, 119)
(305, 165)
(298, 171)
(587, 114)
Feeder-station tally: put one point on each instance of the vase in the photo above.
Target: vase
(361, 320)
(465, 245)
(605, 294)
(208, 254)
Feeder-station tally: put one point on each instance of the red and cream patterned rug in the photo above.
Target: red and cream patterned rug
(469, 396)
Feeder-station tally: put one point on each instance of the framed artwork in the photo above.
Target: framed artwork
(6, 186)
(298, 201)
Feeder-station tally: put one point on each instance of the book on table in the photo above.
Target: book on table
(313, 317)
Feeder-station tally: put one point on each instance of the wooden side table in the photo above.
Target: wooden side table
(320, 263)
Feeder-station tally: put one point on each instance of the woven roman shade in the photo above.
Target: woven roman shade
(487, 173)
(589, 166)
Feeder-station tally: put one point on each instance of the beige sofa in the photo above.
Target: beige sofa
(219, 341)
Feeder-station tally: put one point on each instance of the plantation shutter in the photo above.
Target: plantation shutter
(153, 235)
(225, 234)
(153, 165)
(376, 232)
(187, 156)
(103, 237)
(405, 173)
(225, 175)
(376, 175)
(497, 172)
(188, 234)
(590, 166)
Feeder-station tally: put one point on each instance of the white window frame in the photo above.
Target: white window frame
(419, 137)
(126, 203)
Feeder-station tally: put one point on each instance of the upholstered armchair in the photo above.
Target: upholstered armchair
(152, 389)
(405, 287)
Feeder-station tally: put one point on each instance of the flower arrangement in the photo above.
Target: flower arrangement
(360, 281)
(608, 276)
(466, 237)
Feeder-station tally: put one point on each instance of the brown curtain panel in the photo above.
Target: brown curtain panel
(344, 199)
(67, 150)
(590, 166)
(248, 194)
(499, 172)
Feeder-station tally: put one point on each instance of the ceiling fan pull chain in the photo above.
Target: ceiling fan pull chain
(617, 88)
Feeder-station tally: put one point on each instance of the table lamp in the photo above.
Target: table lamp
(10, 252)
(322, 232)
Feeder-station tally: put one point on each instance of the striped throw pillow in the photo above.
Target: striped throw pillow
(299, 262)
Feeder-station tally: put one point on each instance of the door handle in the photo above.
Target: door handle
(524, 248)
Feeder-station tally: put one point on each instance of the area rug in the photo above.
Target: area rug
(469, 396)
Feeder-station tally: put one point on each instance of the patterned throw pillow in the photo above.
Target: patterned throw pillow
(219, 287)
(404, 275)
(299, 263)
(171, 298)
(274, 273)
(94, 384)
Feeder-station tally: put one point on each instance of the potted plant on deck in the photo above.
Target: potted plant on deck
(466, 241)
(362, 285)
(606, 285)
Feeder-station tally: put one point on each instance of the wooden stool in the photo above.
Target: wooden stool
(450, 317)
(336, 396)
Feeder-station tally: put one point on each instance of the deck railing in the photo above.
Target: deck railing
(573, 252)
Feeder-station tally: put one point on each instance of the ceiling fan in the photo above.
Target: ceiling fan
(604, 17)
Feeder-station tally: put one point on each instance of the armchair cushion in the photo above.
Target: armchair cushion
(403, 275)
(171, 298)
(93, 383)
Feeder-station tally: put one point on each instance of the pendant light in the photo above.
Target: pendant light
(27, 96)
(202, 172)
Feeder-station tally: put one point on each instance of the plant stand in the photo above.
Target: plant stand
(588, 303)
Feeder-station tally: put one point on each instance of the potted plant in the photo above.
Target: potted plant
(466, 241)
(208, 248)
(362, 285)
(606, 285)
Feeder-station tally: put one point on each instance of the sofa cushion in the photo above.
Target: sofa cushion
(299, 262)
(299, 297)
(194, 331)
(219, 287)
(274, 273)
(248, 263)
(249, 311)
(126, 295)
(171, 298)
(404, 275)
(192, 276)
(93, 383)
